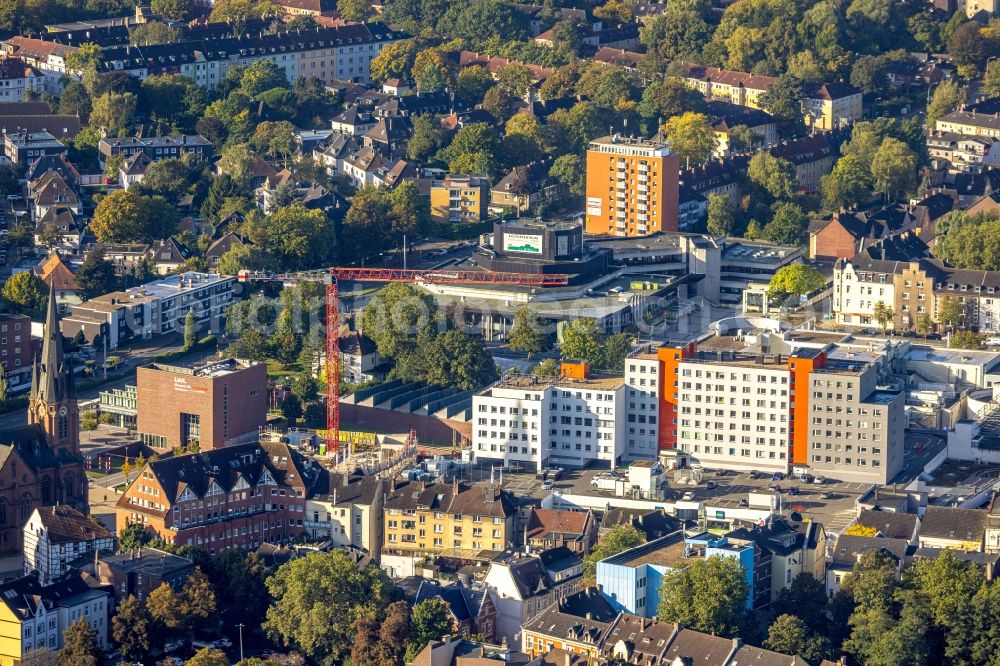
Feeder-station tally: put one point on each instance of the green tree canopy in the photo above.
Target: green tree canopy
(708, 595)
(316, 598)
(795, 280)
(619, 539)
(525, 334)
(26, 292)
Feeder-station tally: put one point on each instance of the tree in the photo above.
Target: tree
(680, 33)
(872, 581)
(113, 113)
(991, 79)
(691, 136)
(461, 360)
(788, 634)
(198, 597)
(79, 645)
(860, 530)
(366, 646)
(394, 61)
(395, 633)
(709, 595)
(208, 657)
(176, 10)
(190, 330)
(924, 323)
(316, 598)
(75, 100)
(296, 237)
(805, 597)
(431, 619)
(795, 280)
(432, 71)
(951, 311)
(882, 314)
(619, 539)
(968, 45)
(774, 174)
(427, 138)
(291, 407)
(500, 102)
(787, 225)
(130, 628)
(581, 340)
(547, 367)
(569, 170)
(355, 10)
(124, 216)
(721, 218)
(275, 139)
(894, 168)
(847, 184)
(881, 637)
(166, 610)
(967, 340)
(238, 576)
(261, 76)
(784, 100)
(975, 638)
(238, 12)
(525, 335)
(970, 242)
(670, 97)
(132, 536)
(947, 96)
(27, 293)
(472, 84)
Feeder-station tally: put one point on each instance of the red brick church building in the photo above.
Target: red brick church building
(40, 463)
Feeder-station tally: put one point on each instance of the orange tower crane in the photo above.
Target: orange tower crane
(331, 277)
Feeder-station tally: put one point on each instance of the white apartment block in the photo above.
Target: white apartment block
(733, 413)
(642, 382)
(858, 287)
(534, 422)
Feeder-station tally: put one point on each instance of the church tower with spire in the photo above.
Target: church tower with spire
(52, 402)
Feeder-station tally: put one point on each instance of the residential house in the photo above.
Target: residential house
(389, 135)
(347, 511)
(953, 528)
(726, 116)
(419, 103)
(353, 121)
(58, 229)
(47, 57)
(813, 157)
(168, 255)
(220, 246)
(522, 588)
(57, 276)
(260, 490)
(34, 616)
(459, 199)
(784, 549)
(848, 232)
(18, 78)
(524, 188)
(890, 524)
(849, 549)
(52, 191)
(308, 7)
(156, 148)
(719, 176)
(552, 528)
(458, 651)
(978, 291)
(576, 623)
(692, 207)
(395, 87)
(455, 520)
(55, 536)
(59, 163)
(22, 147)
(133, 169)
(471, 610)
(359, 359)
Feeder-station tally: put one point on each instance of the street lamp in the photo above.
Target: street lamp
(240, 625)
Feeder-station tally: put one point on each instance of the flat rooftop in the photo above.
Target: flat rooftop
(218, 368)
(882, 397)
(177, 284)
(531, 382)
(739, 359)
(745, 251)
(540, 224)
(670, 555)
(954, 356)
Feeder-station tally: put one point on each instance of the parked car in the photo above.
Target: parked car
(826, 495)
(711, 485)
(777, 476)
(549, 485)
(744, 502)
(793, 491)
(689, 496)
(819, 480)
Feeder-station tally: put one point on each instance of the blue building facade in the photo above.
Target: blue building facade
(631, 580)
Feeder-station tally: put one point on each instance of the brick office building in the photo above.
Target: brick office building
(235, 497)
(209, 404)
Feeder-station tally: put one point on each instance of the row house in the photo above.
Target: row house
(16, 78)
(233, 497)
(347, 511)
(826, 106)
(328, 53)
(155, 148)
(48, 58)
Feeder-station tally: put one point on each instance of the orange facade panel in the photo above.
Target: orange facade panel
(800, 369)
(670, 358)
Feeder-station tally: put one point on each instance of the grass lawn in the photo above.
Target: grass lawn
(276, 369)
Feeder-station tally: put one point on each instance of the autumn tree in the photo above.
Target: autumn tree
(79, 645)
(26, 292)
(130, 628)
(691, 137)
(795, 280)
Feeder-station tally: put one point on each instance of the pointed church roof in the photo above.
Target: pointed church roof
(55, 381)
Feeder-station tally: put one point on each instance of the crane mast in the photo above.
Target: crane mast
(331, 277)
